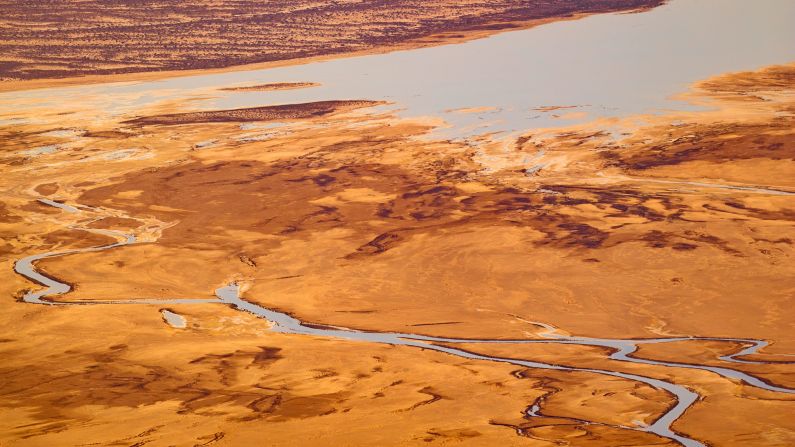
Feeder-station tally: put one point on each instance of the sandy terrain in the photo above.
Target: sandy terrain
(674, 225)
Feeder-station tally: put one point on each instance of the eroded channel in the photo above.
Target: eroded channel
(621, 349)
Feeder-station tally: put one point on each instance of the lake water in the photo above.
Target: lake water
(605, 65)
(173, 319)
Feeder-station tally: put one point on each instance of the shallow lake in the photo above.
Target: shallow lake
(605, 65)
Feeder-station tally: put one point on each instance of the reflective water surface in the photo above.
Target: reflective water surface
(602, 65)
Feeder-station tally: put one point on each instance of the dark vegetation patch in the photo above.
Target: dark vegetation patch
(267, 113)
(285, 198)
(272, 86)
(772, 140)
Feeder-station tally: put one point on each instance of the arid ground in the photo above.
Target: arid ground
(677, 225)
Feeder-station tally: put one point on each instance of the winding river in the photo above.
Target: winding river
(600, 66)
(621, 349)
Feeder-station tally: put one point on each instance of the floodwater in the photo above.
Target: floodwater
(174, 320)
(602, 65)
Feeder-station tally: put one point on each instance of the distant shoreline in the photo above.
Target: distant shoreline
(70, 67)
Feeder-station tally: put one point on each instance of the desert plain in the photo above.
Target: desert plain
(608, 280)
